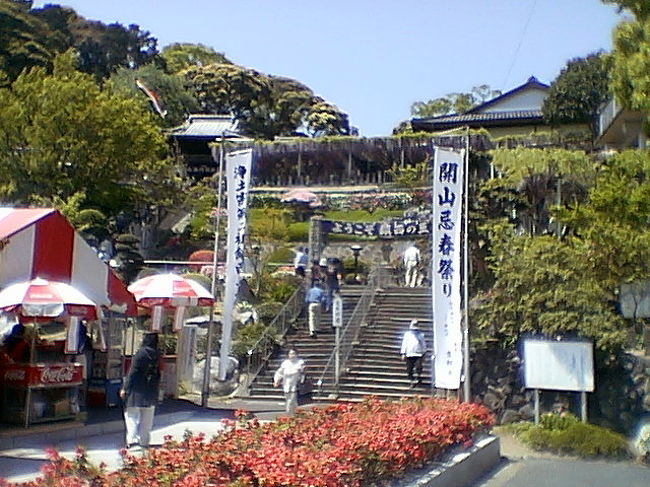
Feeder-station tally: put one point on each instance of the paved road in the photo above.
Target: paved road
(23, 462)
(547, 472)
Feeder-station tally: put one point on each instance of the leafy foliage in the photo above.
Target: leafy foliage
(453, 102)
(578, 92)
(542, 287)
(181, 55)
(64, 135)
(25, 41)
(102, 48)
(631, 58)
(564, 433)
(410, 176)
(177, 100)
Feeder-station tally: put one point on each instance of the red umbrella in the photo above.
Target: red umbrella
(40, 298)
(170, 291)
(302, 196)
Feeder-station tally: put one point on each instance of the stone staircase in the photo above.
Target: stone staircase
(314, 351)
(376, 367)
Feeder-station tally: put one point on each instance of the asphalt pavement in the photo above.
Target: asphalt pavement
(23, 451)
(523, 467)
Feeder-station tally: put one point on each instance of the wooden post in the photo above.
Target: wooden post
(536, 393)
(583, 406)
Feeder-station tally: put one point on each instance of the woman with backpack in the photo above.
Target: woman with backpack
(140, 392)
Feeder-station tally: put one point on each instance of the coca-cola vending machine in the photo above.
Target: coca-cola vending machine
(36, 393)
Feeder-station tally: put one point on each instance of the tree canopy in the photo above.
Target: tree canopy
(631, 57)
(453, 102)
(182, 55)
(265, 106)
(578, 92)
(176, 99)
(25, 40)
(63, 135)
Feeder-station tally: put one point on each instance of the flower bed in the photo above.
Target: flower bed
(340, 445)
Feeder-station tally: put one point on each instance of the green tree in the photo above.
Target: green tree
(630, 58)
(640, 8)
(102, 48)
(614, 220)
(182, 55)
(265, 106)
(62, 135)
(24, 40)
(453, 102)
(177, 100)
(228, 89)
(541, 287)
(326, 119)
(578, 92)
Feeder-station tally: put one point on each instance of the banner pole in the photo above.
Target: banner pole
(467, 381)
(205, 389)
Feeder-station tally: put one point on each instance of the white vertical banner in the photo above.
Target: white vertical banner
(447, 195)
(238, 171)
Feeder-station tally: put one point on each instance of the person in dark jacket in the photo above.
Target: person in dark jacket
(140, 392)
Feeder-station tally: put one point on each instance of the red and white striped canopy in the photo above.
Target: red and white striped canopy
(40, 242)
(170, 291)
(40, 298)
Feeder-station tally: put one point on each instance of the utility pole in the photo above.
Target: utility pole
(205, 389)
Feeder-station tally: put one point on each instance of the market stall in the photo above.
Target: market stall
(39, 381)
(42, 243)
(161, 293)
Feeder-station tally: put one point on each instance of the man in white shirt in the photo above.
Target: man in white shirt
(290, 373)
(412, 351)
(301, 261)
(411, 263)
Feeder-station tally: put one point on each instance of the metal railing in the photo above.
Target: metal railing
(259, 354)
(328, 382)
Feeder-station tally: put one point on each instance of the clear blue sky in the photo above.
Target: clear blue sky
(374, 58)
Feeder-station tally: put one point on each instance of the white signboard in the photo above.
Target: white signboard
(446, 266)
(562, 366)
(337, 311)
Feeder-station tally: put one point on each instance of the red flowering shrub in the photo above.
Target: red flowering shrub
(340, 445)
(200, 256)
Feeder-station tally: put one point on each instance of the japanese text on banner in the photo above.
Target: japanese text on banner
(448, 177)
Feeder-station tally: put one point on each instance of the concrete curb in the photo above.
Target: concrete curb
(73, 431)
(461, 469)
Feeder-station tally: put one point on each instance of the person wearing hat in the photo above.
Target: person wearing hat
(412, 351)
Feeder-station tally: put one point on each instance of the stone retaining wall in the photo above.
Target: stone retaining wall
(621, 397)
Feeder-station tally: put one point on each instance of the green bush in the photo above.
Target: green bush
(298, 232)
(564, 433)
(283, 254)
(248, 336)
(268, 310)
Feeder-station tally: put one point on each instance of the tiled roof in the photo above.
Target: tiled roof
(482, 117)
(531, 83)
(206, 126)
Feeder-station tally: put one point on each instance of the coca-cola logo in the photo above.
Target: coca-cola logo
(15, 375)
(51, 375)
